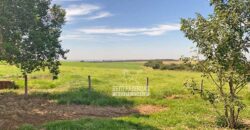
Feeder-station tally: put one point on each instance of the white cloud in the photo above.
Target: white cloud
(150, 31)
(70, 36)
(100, 15)
(76, 36)
(95, 33)
(161, 29)
(74, 12)
(80, 10)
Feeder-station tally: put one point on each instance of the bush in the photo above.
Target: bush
(221, 121)
(154, 64)
(173, 66)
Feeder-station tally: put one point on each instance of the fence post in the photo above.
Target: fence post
(89, 81)
(147, 83)
(201, 87)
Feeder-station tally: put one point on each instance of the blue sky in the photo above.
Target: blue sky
(127, 29)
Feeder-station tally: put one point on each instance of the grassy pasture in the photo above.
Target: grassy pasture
(184, 110)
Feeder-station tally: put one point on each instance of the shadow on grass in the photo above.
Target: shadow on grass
(91, 124)
(81, 96)
(36, 110)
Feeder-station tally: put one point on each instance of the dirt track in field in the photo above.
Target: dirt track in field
(15, 110)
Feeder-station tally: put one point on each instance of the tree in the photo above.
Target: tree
(222, 39)
(30, 31)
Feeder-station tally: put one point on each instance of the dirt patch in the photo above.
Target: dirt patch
(246, 123)
(176, 97)
(149, 109)
(15, 110)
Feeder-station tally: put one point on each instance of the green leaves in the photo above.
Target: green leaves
(31, 31)
(222, 39)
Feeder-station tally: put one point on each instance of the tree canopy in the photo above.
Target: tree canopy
(222, 39)
(29, 35)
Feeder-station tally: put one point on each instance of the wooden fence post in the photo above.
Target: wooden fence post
(89, 81)
(147, 84)
(201, 87)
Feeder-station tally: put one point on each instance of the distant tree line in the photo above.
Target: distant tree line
(183, 65)
(158, 64)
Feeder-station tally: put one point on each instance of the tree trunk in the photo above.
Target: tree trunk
(26, 85)
(1, 40)
(232, 123)
(232, 117)
(226, 111)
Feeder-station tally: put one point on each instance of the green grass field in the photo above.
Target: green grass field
(186, 112)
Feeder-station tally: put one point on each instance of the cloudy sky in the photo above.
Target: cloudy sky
(127, 29)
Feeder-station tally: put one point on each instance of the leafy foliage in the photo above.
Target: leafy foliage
(180, 66)
(154, 64)
(171, 66)
(30, 31)
(222, 40)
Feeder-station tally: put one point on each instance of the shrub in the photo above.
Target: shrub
(221, 121)
(157, 64)
(176, 67)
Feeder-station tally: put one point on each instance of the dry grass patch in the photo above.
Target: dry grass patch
(149, 109)
(177, 97)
